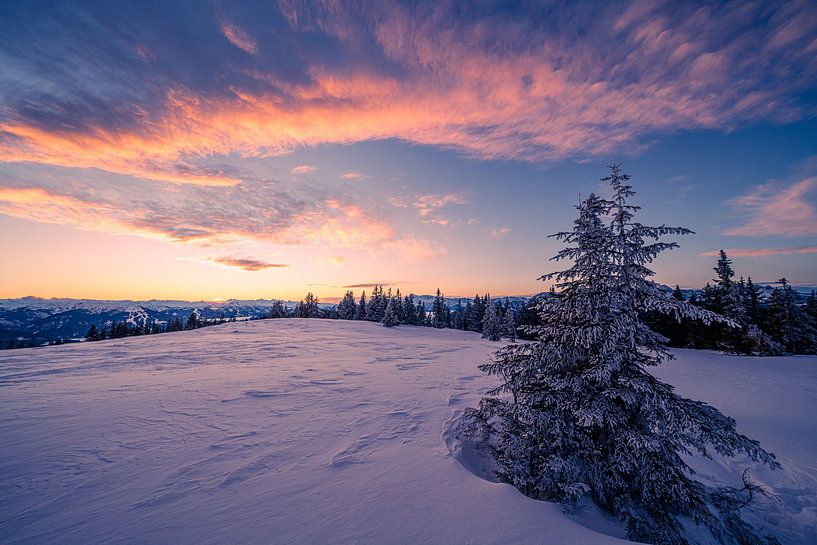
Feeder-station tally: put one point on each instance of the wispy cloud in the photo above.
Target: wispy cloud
(247, 264)
(353, 176)
(660, 67)
(778, 209)
(377, 283)
(763, 252)
(239, 38)
(303, 169)
(261, 212)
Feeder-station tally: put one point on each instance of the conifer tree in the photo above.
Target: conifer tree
(421, 313)
(399, 312)
(389, 315)
(360, 312)
(678, 294)
(510, 325)
(581, 415)
(788, 323)
(347, 308)
(491, 323)
(438, 310)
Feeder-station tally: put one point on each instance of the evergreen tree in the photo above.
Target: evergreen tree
(360, 312)
(438, 310)
(811, 305)
(347, 308)
(724, 270)
(678, 294)
(510, 325)
(193, 321)
(308, 307)
(583, 415)
(277, 310)
(399, 311)
(92, 333)
(752, 301)
(389, 315)
(421, 313)
(788, 323)
(491, 323)
(410, 310)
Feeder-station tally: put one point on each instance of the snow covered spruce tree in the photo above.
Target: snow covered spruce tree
(578, 414)
(389, 316)
(491, 323)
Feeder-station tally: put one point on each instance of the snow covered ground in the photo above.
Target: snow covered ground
(318, 432)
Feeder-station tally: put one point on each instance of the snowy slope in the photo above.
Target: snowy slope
(315, 432)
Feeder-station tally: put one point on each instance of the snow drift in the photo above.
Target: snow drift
(317, 432)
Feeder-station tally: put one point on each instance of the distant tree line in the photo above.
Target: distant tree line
(130, 328)
(494, 319)
(782, 323)
(125, 328)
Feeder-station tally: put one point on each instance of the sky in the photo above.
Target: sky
(213, 150)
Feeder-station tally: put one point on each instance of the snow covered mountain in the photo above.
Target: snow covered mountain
(315, 431)
(39, 320)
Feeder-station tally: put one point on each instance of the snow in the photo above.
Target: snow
(314, 431)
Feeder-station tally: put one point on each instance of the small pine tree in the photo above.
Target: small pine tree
(92, 333)
(491, 323)
(510, 325)
(439, 311)
(677, 294)
(360, 312)
(583, 417)
(421, 313)
(789, 323)
(347, 308)
(389, 315)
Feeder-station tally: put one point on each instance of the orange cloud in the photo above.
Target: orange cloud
(547, 100)
(208, 216)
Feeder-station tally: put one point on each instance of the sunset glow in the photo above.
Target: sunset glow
(264, 151)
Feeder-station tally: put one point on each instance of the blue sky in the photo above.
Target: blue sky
(193, 150)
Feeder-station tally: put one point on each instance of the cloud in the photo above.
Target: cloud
(500, 232)
(763, 252)
(437, 221)
(426, 204)
(239, 38)
(263, 211)
(378, 283)
(560, 83)
(353, 176)
(247, 264)
(777, 209)
(303, 169)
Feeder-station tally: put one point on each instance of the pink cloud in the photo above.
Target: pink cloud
(353, 176)
(763, 252)
(247, 264)
(239, 38)
(545, 96)
(303, 169)
(500, 232)
(775, 209)
(426, 204)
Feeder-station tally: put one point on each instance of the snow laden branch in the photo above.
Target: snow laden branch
(577, 413)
